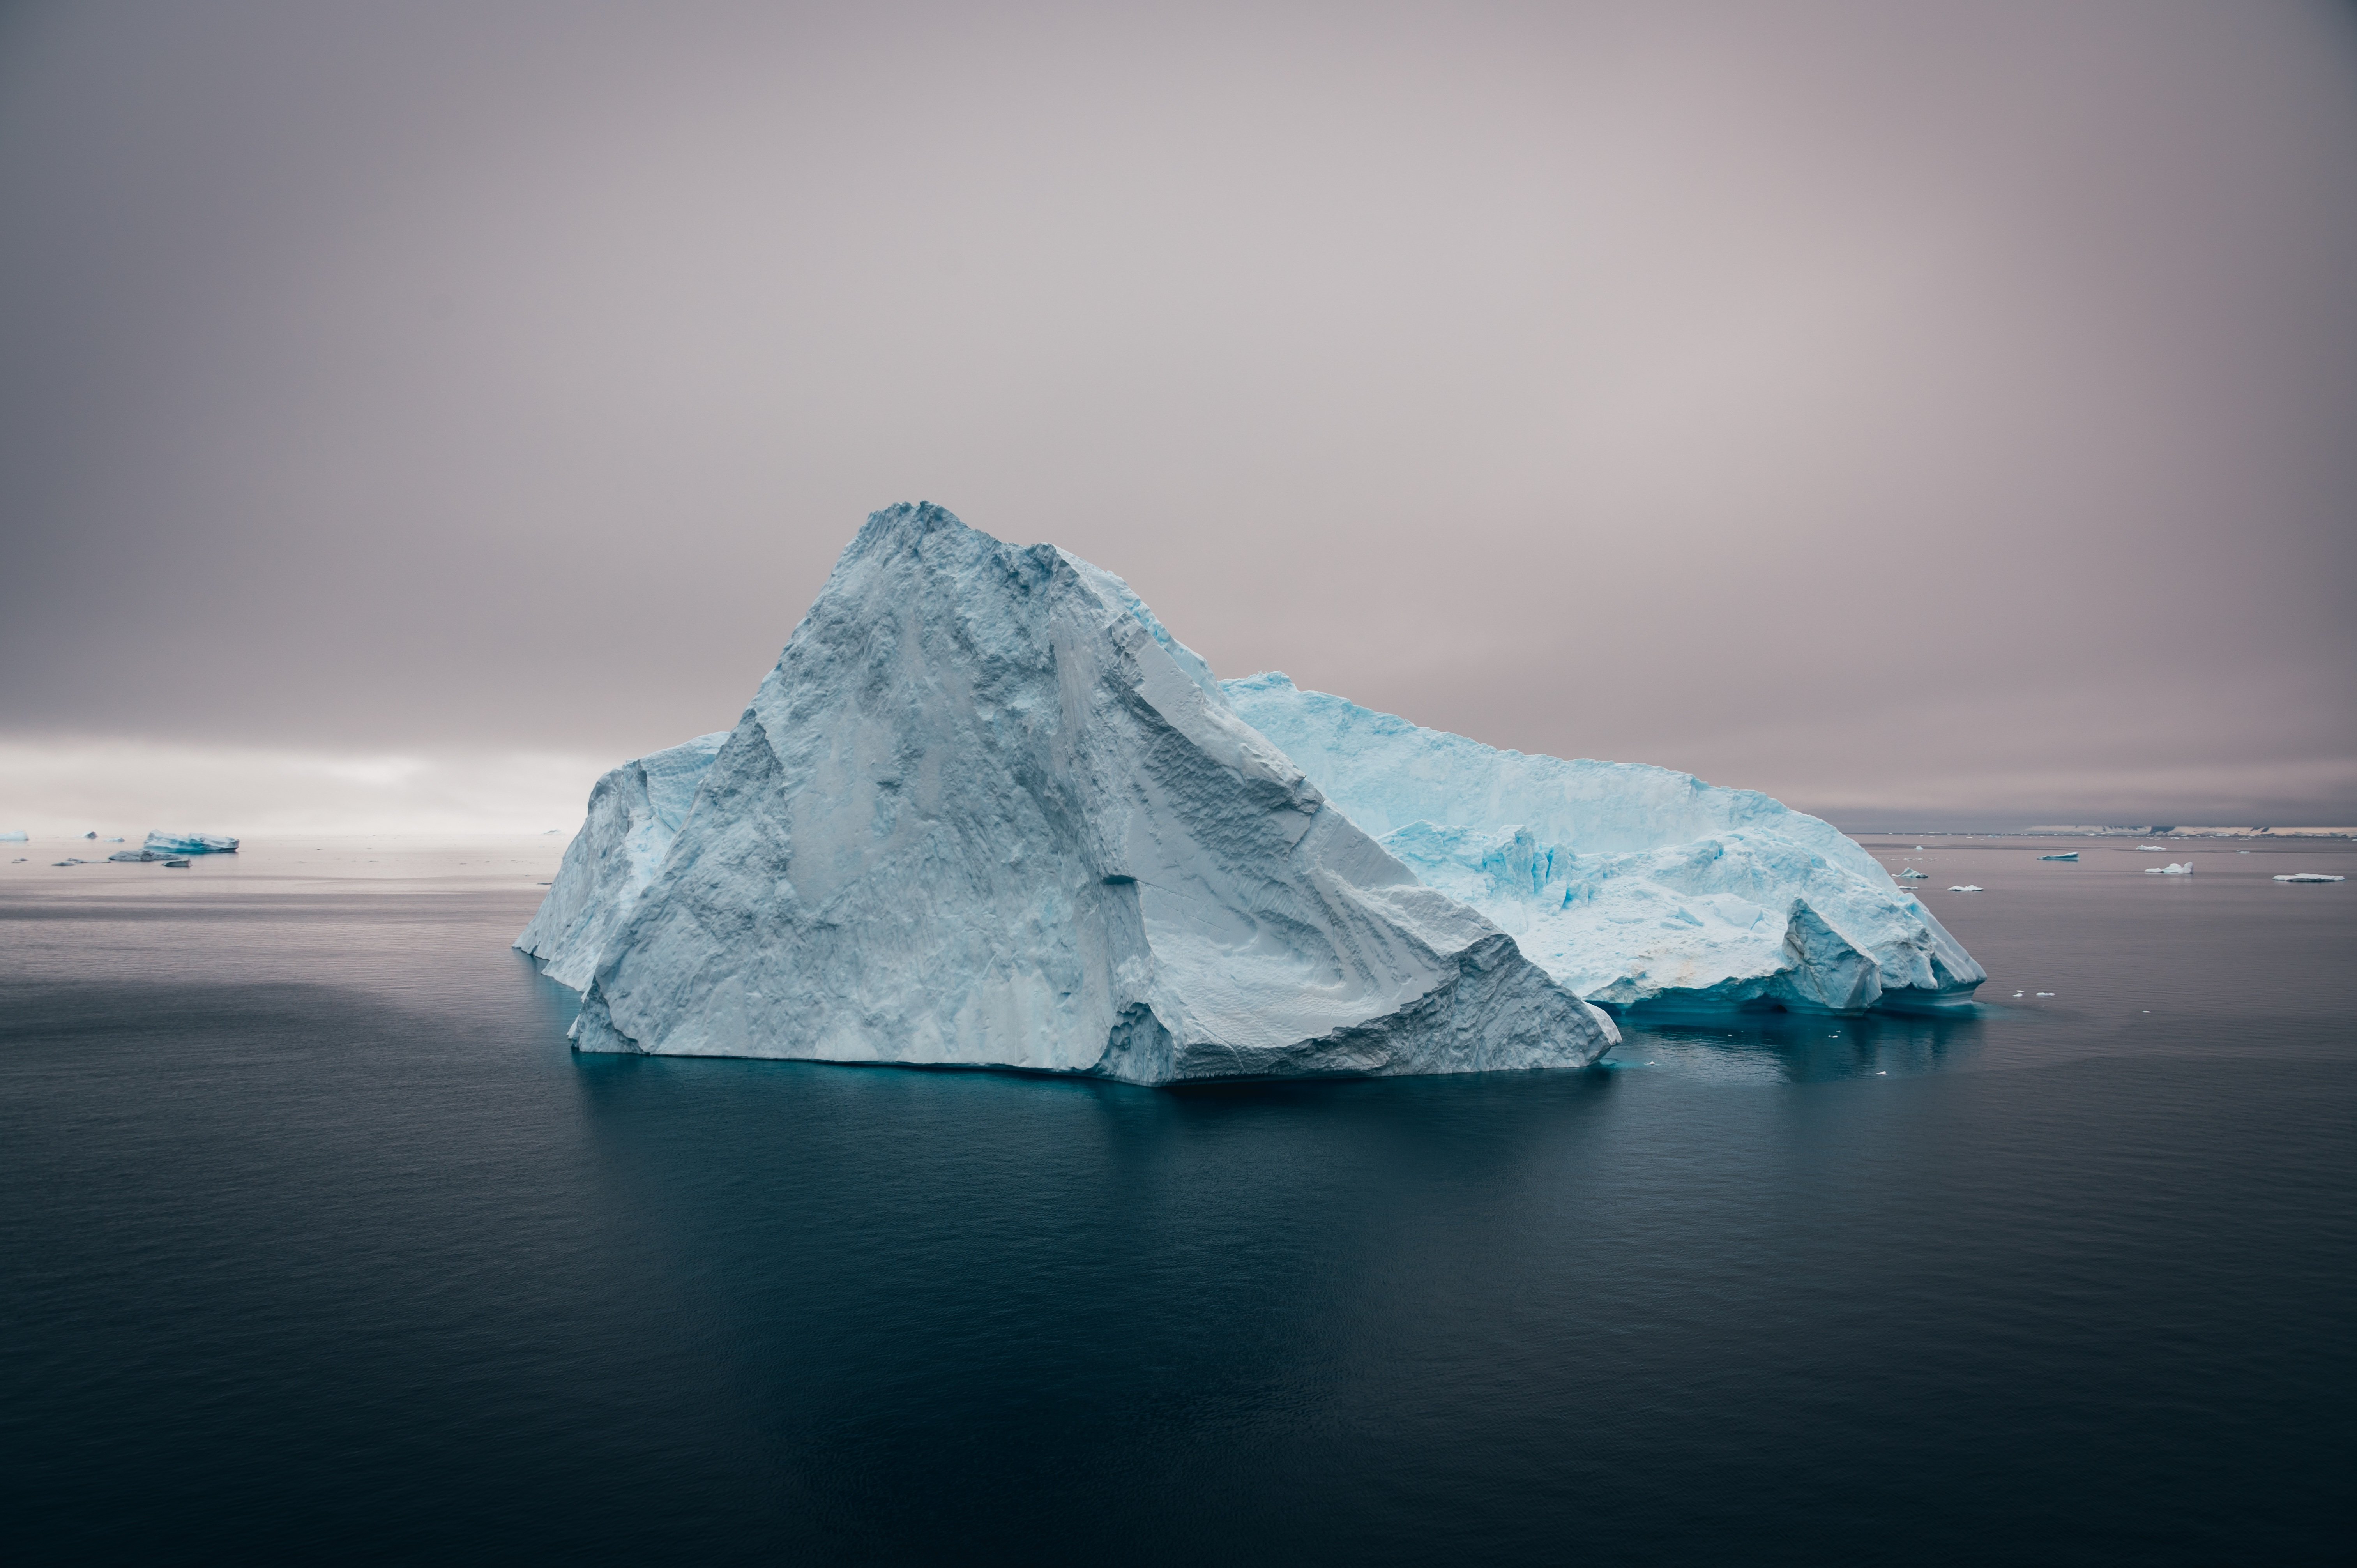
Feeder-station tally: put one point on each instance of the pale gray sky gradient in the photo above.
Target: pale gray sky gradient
(1924, 411)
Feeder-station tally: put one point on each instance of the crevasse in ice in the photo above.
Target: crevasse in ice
(1635, 887)
(986, 811)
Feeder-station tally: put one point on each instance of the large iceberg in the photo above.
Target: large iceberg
(635, 812)
(1635, 887)
(987, 811)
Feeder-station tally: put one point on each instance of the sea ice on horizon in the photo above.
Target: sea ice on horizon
(191, 844)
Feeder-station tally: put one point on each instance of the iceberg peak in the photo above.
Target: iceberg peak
(986, 811)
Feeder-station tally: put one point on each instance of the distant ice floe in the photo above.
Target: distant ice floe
(16, 836)
(2182, 869)
(2151, 848)
(1911, 873)
(2308, 876)
(2067, 854)
(191, 844)
(1967, 887)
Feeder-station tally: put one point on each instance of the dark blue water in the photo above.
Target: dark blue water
(317, 1239)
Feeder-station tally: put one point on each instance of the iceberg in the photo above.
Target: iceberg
(191, 844)
(987, 811)
(1911, 873)
(2067, 854)
(2185, 869)
(15, 835)
(1966, 887)
(635, 812)
(1635, 887)
(2308, 876)
(141, 854)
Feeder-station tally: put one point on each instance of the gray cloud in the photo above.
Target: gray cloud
(1939, 408)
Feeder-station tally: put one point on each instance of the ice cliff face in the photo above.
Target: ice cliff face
(1635, 887)
(635, 812)
(987, 810)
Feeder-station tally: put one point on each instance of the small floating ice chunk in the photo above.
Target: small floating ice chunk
(176, 865)
(2068, 855)
(15, 835)
(2308, 876)
(2046, 994)
(1965, 887)
(1912, 871)
(2150, 847)
(2184, 868)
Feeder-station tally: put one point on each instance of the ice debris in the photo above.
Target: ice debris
(1913, 874)
(2185, 869)
(2308, 876)
(987, 811)
(192, 844)
(2151, 848)
(2068, 855)
(1635, 887)
(1967, 887)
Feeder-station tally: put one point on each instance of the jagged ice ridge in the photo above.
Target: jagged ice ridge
(987, 811)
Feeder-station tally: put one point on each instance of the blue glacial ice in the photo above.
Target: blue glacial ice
(15, 835)
(190, 844)
(635, 812)
(1635, 887)
(987, 811)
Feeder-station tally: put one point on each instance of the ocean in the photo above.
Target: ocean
(318, 1242)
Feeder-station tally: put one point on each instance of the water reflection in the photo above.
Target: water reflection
(1790, 1048)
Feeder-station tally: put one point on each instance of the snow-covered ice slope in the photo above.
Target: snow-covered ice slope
(635, 811)
(1633, 885)
(986, 811)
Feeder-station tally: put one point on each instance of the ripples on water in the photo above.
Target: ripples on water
(320, 1240)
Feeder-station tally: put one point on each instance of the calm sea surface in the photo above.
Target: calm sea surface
(317, 1239)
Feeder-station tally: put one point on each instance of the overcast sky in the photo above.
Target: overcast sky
(1938, 413)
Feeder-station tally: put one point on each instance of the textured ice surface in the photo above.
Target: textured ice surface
(2183, 868)
(635, 811)
(1633, 885)
(987, 810)
(192, 844)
